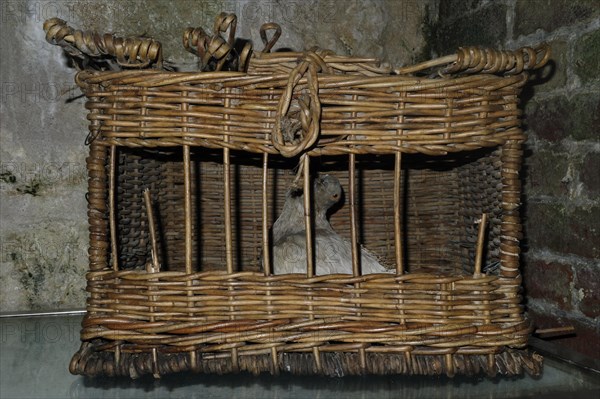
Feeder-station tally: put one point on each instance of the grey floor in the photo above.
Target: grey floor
(35, 353)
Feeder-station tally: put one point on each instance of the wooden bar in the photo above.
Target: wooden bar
(113, 226)
(266, 250)
(556, 331)
(398, 189)
(227, 210)
(111, 206)
(265, 218)
(398, 204)
(398, 213)
(112, 220)
(362, 356)
(153, 267)
(480, 244)
(151, 226)
(227, 203)
(227, 217)
(352, 202)
(187, 188)
(308, 223)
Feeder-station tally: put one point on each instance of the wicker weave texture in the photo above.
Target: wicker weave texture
(188, 170)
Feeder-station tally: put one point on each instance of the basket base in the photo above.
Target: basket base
(336, 364)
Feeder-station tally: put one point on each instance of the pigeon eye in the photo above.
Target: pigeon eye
(335, 196)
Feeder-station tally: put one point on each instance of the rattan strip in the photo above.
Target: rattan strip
(511, 228)
(97, 207)
(137, 52)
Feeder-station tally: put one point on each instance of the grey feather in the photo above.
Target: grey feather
(333, 254)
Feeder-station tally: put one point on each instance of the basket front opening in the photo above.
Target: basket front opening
(442, 198)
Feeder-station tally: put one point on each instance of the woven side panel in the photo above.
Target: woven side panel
(431, 224)
(136, 172)
(480, 191)
(169, 206)
(97, 207)
(511, 229)
(480, 312)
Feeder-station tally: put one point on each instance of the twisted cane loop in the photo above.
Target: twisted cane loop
(269, 43)
(309, 113)
(130, 52)
(225, 22)
(485, 60)
(207, 47)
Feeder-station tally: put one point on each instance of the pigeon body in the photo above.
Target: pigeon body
(333, 253)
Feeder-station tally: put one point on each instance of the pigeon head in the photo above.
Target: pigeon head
(327, 192)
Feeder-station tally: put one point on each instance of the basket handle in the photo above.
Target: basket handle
(269, 43)
(473, 60)
(130, 52)
(307, 121)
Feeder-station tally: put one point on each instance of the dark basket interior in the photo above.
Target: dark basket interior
(442, 198)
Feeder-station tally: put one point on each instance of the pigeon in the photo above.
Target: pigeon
(333, 253)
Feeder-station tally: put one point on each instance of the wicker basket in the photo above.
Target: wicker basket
(188, 170)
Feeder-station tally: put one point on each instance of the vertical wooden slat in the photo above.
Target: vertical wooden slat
(187, 192)
(187, 188)
(510, 227)
(265, 217)
(266, 251)
(154, 267)
(308, 224)
(480, 244)
(227, 214)
(310, 270)
(352, 202)
(398, 213)
(398, 199)
(487, 319)
(356, 256)
(112, 219)
(111, 207)
(352, 194)
(362, 355)
(227, 210)
(449, 360)
(227, 191)
(398, 196)
(151, 226)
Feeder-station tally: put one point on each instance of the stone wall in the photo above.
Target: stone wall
(43, 240)
(562, 168)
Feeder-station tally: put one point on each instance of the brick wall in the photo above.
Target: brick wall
(561, 206)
